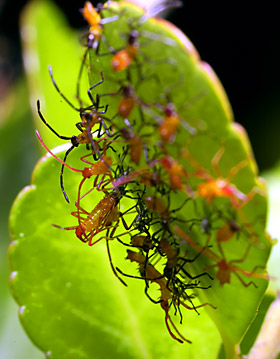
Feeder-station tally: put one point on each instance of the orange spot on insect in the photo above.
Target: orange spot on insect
(212, 189)
(123, 58)
(170, 123)
(177, 173)
(168, 128)
(126, 106)
(121, 61)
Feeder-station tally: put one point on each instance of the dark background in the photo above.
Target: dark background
(240, 44)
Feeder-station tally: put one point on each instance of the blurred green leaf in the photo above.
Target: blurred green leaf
(272, 178)
(47, 40)
(18, 153)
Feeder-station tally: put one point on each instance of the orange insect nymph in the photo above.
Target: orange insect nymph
(212, 189)
(225, 268)
(220, 187)
(126, 106)
(127, 102)
(143, 242)
(224, 272)
(168, 129)
(177, 175)
(124, 58)
(169, 126)
(157, 204)
(121, 61)
(99, 168)
(226, 232)
(135, 144)
(93, 18)
(103, 215)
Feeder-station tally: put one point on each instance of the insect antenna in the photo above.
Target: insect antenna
(61, 94)
(49, 126)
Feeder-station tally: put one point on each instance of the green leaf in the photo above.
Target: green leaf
(70, 287)
(16, 163)
(71, 304)
(210, 113)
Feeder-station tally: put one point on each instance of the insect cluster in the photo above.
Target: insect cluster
(173, 214)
